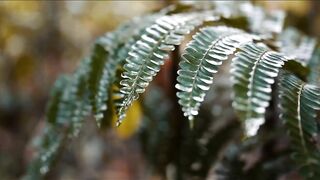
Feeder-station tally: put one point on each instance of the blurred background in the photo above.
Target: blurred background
(40, 40)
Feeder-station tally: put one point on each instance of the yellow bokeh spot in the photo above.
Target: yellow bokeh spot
(130, 123)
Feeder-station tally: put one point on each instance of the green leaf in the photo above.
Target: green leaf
(49, 145)
(262, 21)
(99, 56)
(107, 55)
(201, 59)
(149, 53)
(297, 68)
(53, 108)
(254, 70)
(76, 99)
(296, 45)
(314, 65)
(299, 103)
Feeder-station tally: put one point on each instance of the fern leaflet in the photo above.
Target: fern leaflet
(53, 108)
(105, 61)
(253, 72)
(299, 103)
(53, 134)
(202, 56)
(149, 53)
(296, 45)
(314, 65)
(76, 98)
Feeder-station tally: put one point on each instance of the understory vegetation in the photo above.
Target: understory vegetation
(225, 90)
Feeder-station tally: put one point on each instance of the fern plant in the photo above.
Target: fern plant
(131, 56)
(299, 105)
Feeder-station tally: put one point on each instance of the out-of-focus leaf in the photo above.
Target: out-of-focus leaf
(297, 68)
(296, 45)
(314, 65)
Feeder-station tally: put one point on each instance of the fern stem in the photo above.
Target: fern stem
(250, 93)
(303, 143)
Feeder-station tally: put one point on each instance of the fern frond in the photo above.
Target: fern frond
(66, 110)
(49, 145)
(264, 21)
(149, 53)
(201, 59)
(105, 61)
(76, 98)
(96, 65)
(260, 21)
(299, 103)
(254, 70)
(51, 140)
(296, 45)
(314, 65)
(53, 110)
(101, 73)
